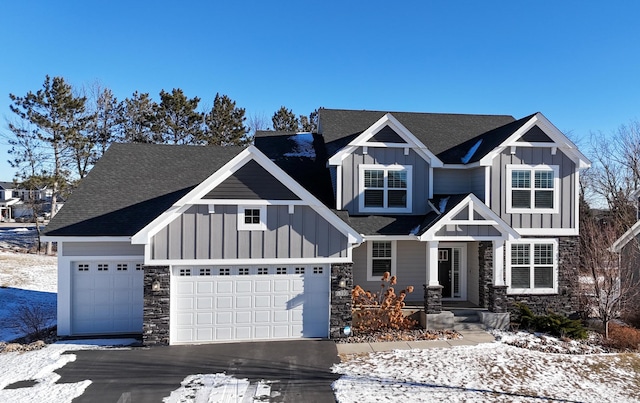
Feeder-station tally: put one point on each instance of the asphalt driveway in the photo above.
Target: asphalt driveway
(299, 370)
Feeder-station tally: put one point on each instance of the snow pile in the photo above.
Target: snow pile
(546, 343)
(470, 153)
(443, 204)
(304, 146)
(39, 366)
(486, 372)
(209, 388)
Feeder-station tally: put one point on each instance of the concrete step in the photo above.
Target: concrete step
(469, 326)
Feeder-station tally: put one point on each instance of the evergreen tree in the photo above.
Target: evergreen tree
(59, 120)
(177, 121)
(225, 123)
(106, 125)
(285, 120)
(309, 124)
(137, 116)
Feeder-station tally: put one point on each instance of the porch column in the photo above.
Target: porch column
(498, 262)
(432, 264)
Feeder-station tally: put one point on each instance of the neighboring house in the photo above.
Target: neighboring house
(8, 198)
(18, 203)
(200, 244)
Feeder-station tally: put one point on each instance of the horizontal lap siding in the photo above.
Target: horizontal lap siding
(198, 234)
(101, 249)
(566, 218)
(410, 268)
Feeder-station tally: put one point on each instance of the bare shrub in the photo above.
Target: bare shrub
(623, 337)
(381, 310)
(33, 320)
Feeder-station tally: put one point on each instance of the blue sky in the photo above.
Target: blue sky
(577, 62)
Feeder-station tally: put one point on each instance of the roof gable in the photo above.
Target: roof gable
(387, 127)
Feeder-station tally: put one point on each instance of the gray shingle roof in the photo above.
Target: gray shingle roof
(438, 131)
(132, 184)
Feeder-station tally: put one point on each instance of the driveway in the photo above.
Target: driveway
(299, 370)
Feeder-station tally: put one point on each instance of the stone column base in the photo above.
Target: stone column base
(340, 316)
(498, 299)
(433, 299)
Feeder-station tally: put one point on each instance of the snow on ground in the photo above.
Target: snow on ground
(17, 236)
(209, 388)
(487, 372)
(26, 280)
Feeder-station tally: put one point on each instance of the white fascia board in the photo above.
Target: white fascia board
(249, 153)
(462, 166)
(59, 239)
(391, 238)
(467, 238)
(548, 232)
(202, 262)
(500, 224)
(387, 120)
(626, 237)
(560, 140)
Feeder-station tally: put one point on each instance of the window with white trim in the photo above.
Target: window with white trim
(381, 258)
(385, 188)
(533, 189)
(532, 266)
(252, 218)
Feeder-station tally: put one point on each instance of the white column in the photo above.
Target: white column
(498, 262)
(432, 263)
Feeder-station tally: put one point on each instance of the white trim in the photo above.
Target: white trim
(250, 153)
(631, 233)
(532, 189)
(387, 120)
(487, 186)
(274, 261)
(339, 187)
(474, 204)
(243, 226)
(247, 202)
(548, 231)
(560, 141)
(532, 290)
(390, 238)
(394, 258)
(463, 268)
(386, 168)
(432, 264)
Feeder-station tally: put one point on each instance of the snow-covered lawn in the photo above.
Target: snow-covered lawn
(488, 372)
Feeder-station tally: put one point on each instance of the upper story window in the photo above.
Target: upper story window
(532, 189)
(532, 266)
(252, 218)
(385, 188)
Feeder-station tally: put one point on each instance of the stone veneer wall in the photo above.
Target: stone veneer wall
(340, 315)
(155, 327)
(485, 272)
(433, 299)
(566, 302)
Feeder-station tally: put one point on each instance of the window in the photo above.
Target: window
(263, 270)
(385, 188)
(281, 270)
(122, 267)
(299, 270)
(103, 266)
(243, 271)
(83, 267)
(252, 218)
(205, 271)
(381, 259)
(185, 272)
(317, 270)
(138, 266)
(532, 267)
(224, 271)
(532, 189)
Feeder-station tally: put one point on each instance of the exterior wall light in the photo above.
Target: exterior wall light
(342, 283)
(155, 286)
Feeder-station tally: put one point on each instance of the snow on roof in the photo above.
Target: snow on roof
(443, 204)
(471, 151)
(304, 146)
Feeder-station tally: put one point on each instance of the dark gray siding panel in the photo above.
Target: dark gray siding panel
(387, 135)
(566, 218)
(101, 249)
(385, 156)
(251, 182)
(196, 234)
(535, 134)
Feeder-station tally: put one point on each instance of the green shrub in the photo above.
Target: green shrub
(552, 323)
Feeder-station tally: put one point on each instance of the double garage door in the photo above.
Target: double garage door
(107, 297)
(213, 303)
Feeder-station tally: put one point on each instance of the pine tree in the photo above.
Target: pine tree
(309, 124)
(177, 121)
(225, 123)
(285, 120)
(138, 114)
(107, 122)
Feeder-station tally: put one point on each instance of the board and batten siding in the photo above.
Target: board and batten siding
(566, 218)
(385, 156)
(411, 268)
(101, 249)
(198, 234)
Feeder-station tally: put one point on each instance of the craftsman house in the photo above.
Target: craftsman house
(191, 244)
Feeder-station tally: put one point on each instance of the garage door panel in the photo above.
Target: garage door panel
(185, 319)
(205, 318)
(248, 305)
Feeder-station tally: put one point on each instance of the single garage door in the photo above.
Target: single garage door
(107, 297)
(248, 303)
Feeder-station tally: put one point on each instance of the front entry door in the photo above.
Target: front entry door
(445, 272)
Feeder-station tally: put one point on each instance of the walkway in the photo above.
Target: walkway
(469, 338)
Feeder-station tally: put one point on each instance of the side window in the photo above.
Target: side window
(532, 267)
(532, 189)
(385, 188)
